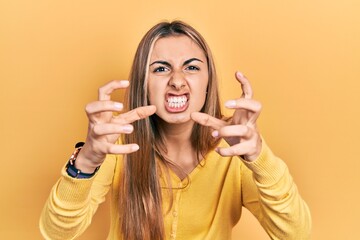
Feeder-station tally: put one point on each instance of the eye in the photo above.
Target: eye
(160, 69)
(192, 68)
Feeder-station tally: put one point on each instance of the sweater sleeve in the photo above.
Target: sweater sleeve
(269, 192)
(72, 202)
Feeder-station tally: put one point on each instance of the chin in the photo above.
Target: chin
(180, 118)
(175, 118)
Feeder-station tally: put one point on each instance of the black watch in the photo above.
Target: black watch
(71, 170)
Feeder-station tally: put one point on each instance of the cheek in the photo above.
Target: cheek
(151, 99)
(154, 90)
(203, 98)
(150, 90)
(151, 96)
(200, 94)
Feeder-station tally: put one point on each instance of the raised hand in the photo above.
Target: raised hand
(241, 132)
(105, 128)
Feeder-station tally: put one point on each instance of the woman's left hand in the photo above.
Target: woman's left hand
(241, 132)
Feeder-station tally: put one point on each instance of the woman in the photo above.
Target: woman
(181, 170)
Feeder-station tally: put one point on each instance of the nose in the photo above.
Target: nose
(177, 81)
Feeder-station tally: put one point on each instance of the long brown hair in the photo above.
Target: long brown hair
(140, 194)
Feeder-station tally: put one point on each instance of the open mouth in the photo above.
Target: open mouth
(176, 103)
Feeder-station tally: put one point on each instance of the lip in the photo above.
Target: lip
(173, 109)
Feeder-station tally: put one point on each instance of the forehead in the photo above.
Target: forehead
(176, 47)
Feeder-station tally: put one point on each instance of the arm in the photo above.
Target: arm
(270, 194)
(72, 202)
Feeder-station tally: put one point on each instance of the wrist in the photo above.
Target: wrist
(85, 165)
(256, 154)
(72, 167)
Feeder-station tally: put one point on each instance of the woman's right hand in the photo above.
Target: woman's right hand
(105, 128)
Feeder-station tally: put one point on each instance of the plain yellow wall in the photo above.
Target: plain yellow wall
(303, 58)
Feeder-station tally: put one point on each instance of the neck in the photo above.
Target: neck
(177, 135)
(177, 139)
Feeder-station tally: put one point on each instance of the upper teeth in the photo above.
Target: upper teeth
(177, 101)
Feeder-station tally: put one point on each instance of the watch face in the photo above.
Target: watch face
(72, 171)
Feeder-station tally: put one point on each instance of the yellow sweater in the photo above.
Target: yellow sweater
(205, 208)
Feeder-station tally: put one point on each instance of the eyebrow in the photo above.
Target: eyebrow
(169, 65)
(191, 60)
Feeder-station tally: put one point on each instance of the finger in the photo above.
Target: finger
(207, 120)
(232, 131)
(119, 148)
(135, 114)
(245, 85)
(250, 105)
(111, 128)
(103, 106)
(243, 103)
(239, 149)
(106, 90)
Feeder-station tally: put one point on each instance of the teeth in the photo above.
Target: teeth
(177, 102)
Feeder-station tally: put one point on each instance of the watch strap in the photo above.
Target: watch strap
(71, 170)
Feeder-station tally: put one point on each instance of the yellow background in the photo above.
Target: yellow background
(302, 57)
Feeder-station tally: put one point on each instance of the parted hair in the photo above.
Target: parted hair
(141, 211)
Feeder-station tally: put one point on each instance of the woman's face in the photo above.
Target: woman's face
(177, 79)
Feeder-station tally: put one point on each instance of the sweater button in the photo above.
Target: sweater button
(175, 213)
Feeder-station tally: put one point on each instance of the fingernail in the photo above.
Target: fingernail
(128, 128)
(124, 82)
(240, 74)
(230, 103)
(118, 105)
(135, 147)
(215, 133)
